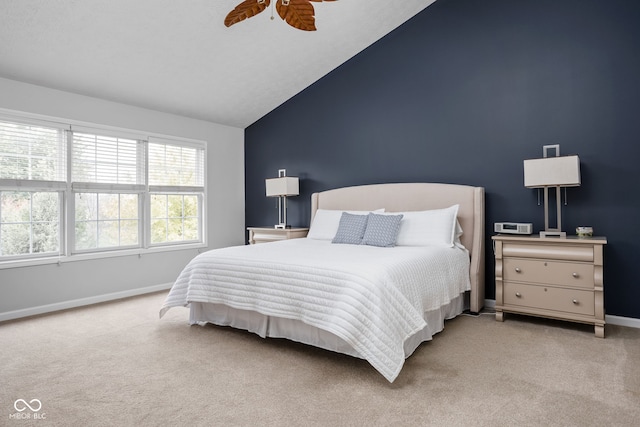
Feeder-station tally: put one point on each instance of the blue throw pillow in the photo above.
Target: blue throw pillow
(382, 230)
(351, 229)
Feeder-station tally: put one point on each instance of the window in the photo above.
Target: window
(108, 182)
(29, 223)
(119, 191)
(174, 218)
(106, 220)
(32, 183)
(176, 186)
(30, 152)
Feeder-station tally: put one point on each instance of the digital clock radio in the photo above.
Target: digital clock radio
(513, 227)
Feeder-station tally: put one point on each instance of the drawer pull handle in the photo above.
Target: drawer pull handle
(518, 294)
(576, 302)
(518, 270)
(576, 275)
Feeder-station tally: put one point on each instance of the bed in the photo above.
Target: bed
(369, 301)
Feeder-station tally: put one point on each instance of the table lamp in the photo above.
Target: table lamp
(552, 173)
(282, 187)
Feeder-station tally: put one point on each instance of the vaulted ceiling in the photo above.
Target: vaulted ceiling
(179, 57)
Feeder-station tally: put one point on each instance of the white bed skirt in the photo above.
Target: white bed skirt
(296, 330)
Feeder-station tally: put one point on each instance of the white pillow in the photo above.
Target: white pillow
(325, 223)
(432, 227)
(459, 233)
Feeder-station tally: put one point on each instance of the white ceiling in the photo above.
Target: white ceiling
(178, 57)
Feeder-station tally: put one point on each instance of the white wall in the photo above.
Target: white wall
(37, 289)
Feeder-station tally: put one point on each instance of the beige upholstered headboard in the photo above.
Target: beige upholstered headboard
(418, 197)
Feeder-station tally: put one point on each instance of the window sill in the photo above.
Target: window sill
(100, 255)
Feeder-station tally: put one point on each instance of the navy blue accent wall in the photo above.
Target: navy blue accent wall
(463, 93)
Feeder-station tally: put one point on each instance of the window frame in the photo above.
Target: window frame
(72, 234)
(200, 207)
(61, 224)
(67, 193)
(191, 188)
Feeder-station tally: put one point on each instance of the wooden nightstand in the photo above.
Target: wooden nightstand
(559, 278)
(270, 234)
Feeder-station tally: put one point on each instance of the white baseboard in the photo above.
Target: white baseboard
(64, 305)
(622, 321)
(32, 311)
(609, 319)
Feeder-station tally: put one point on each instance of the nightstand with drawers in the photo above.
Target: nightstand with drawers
(271, 234)
(559, 278)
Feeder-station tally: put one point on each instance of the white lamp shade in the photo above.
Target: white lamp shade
(282, 186)
(561, 171)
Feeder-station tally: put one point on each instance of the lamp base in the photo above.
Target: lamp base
(281, 226)
(553, 233)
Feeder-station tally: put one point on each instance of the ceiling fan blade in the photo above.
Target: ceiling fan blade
(244, 10)
(298, 13)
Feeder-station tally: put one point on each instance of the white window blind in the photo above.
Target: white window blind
(107, 159)
(32, 152)
(173, 165)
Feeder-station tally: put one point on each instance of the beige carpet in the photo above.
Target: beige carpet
(117, 364)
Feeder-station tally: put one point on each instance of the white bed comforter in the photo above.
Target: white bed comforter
(373, 298)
